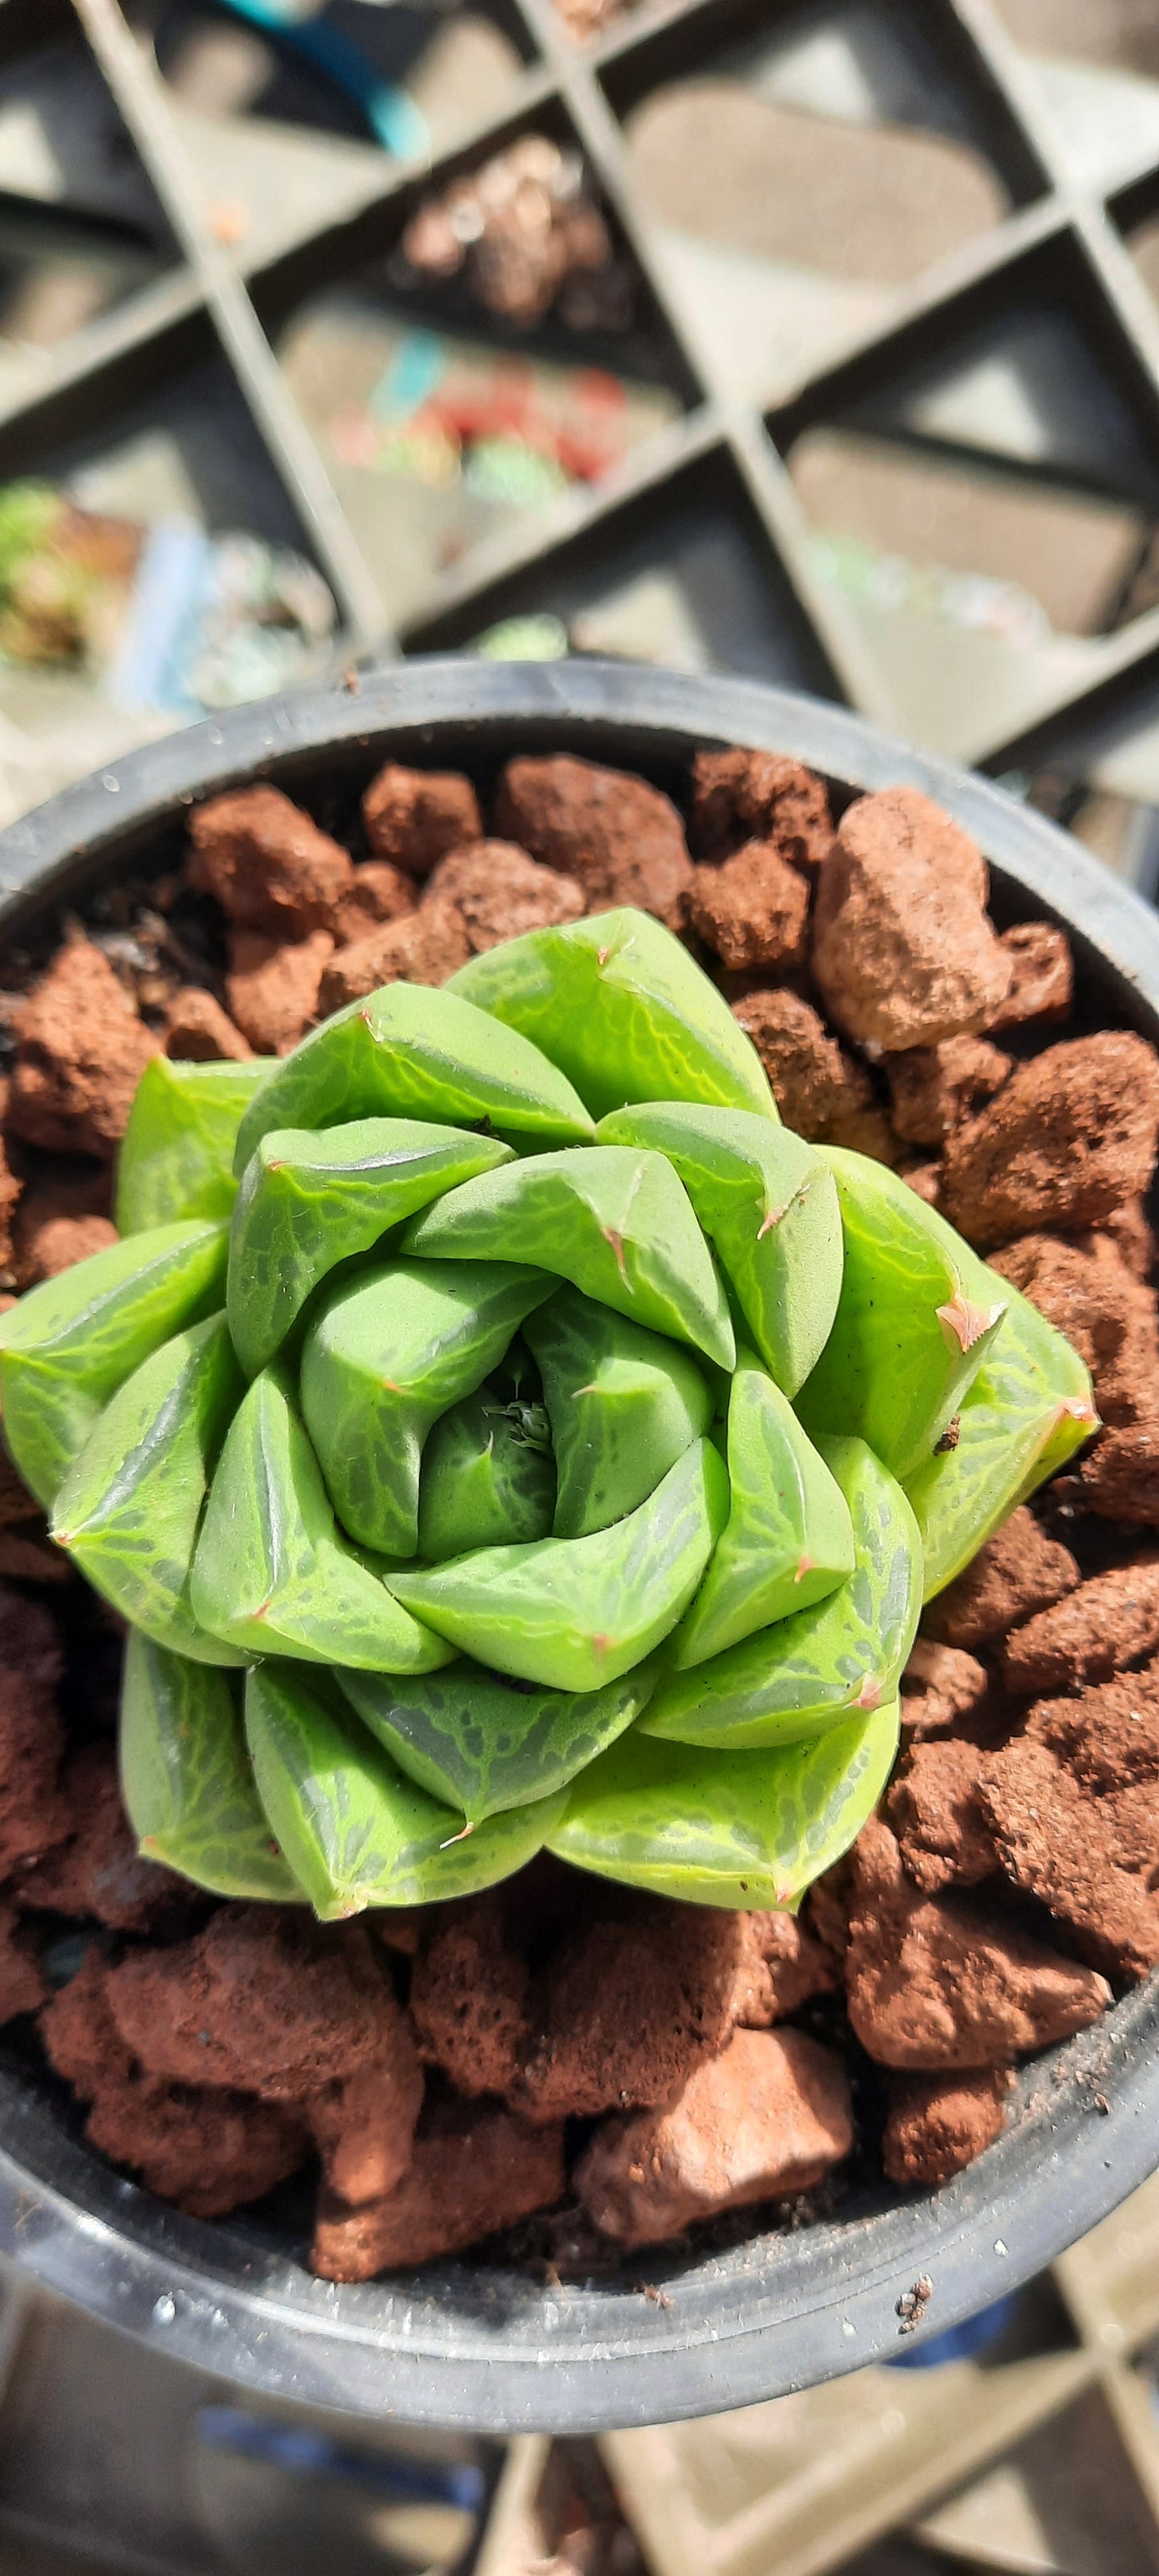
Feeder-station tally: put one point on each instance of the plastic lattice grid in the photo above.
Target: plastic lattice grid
(887, 379)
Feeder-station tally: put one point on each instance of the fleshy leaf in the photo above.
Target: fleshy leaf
(574, 1613)
(624, 1405)
(386, 1356)
(1029, 1409)
(129, 1509)
(740, 1829)
(615, 1221)
(620, 1006)
(409, 1051)
(793, 1679)
(354, 1829)
(309, 1201)
(186, 1777)
(176, 1157)
(69, 1344)
(789, 1538)
(768, 1203)
(484, 1481)
(918, 1315)
(272, 1576)
(469, 1738)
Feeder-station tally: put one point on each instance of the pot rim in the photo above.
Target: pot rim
(481, 2348)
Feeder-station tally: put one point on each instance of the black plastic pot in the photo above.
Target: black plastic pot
(465, 2343)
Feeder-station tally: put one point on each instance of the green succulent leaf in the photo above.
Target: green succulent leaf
(793, 1679)
(69, 1344)
(389, 1352)
(187, 1780)
(619, 1005)
(412, 1052)
(789, 1539)
(487, 1478)
(176, 1157)
(355, 1831)
(733, 1829)
(574, 1613)
(1030, 1407)
(446, 1438)
(129, 1509)
(768, 1203)
(474, 1741)
(918, 1315)
(309, 1201)
(272, 1575)
(616, 1222)
(624, 1405)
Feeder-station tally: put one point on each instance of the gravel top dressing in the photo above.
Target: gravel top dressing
(599, 1365)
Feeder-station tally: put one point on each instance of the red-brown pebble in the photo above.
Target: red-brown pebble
(621, 838)
(424, 947)
(933, 1808)
(22, 1985)
(740, 796)
(1087, 1291)
(903, 950)
(62, 1197)
(274, 990)
(97, 1870)
(1070, 1138)
(267, 863)
(30, 1643)
(1043, 975)
(10, 1188)
(71, 1239)
(942, 1981)
(206, 2153)
(941, 1687)
(932, 1089)
(61, 1219)
(1017, 1572)
(630, 2005)
(33, 1814)
(414, 816)
(782, 1964)
(364, 2123)
(501, 893)
(16, 1503)
(1119, 1479)
(81, 1051)
(821, 1090)
(753, 909)
(1134, 1236)
(1108, 1623)
(26, 1558)
(767, 2119)
(263, 1999)
(476, 2169)
(468, 1997)
(937, 2124)
(198, 1031)
(1073, 1804)
(378, 892)
(80, 2037)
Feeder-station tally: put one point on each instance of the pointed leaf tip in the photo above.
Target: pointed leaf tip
(965, 1323)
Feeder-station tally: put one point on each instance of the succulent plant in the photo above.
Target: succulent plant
(497, 1430)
